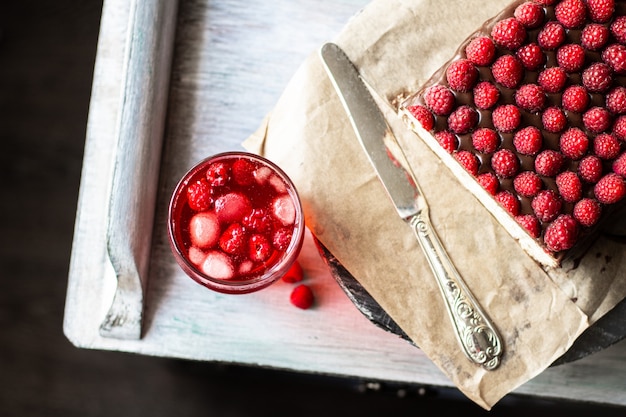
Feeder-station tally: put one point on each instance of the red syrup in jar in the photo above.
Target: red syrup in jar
(235, 223)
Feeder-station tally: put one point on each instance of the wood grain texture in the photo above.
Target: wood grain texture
(232, 60)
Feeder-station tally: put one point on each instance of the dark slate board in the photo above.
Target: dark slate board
(610, 329)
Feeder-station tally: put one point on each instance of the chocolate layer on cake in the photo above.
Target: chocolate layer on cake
(529, 115)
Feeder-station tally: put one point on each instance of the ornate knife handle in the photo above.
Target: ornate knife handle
(478, 337)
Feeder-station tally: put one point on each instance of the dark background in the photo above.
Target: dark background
(47, 52)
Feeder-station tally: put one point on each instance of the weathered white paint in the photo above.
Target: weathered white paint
(232, 59)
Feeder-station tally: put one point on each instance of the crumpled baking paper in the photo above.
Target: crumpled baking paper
(397, 45)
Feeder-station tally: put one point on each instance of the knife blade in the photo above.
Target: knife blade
(477, 336)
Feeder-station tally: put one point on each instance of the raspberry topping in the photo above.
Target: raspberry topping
(574, 143)
(489, 182)
(619, 165)
(486, 95)
(615, 56)
(529, 14)
(597, 119)
(530, 223)
(561, 234)
(575, 99)
(530, 97)
(508, 201)
(551, 36)
(606, 146)
(528, 140)
(548, 163)
(587, 211)
(461, 75)
(508, 71)
(618, 29)
(597, 77)
(439, 99)
(610, 189)
(569, 186)
(552, 79)
(506, 118)
(481, 51)
(600, 11)
(553, 119)
(547, 205)
(571, 57)
(505, 163)
(509, 33)
(423, 116)
(616, 100)
(531, 56)
(468, 160)
(485, 140)
(447, 140)
(463, 119)
(528, 184)
(590, 169)
(571, 13)
(594, 36)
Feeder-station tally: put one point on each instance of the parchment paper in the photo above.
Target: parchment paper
(397, 45)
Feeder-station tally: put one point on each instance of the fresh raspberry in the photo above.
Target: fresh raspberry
(468, 160)
(552, 79)
(439, 99)
(485, 140)
(530, 97)
(561, 234)
(507, 200)
(531, 56)
(217, 174)
(486, 95)
(553, 119)
(243, 172)
(569, 186)
(489, 182)
(619, 165)
(529, 14)
(615, 56)
(590, 169)
(233, 239)
(619, 128)
(258, 220)
(597, 77)
(447, 140)
(302, 297)
(199, 195)
(506, 118)
(204, 230)
(594, 36)
(575, 99)
(606, 146)
(571, 13)
(600, 11)
(527, 184)
(294, 274)
(259, 248)
(530, 223)
(597, 119)
(546, 205)
(504, 163)
(508, 71)
(610, 189)
(587, 212)
(571, 57)
(423, 116)
(616, 100)
(481, 51)
(528, 141)
(509, 33)
(462, 120)
(549, 163)
(574, 143)
(461, 75)
(551, 36)
(618, 29)
(282, 238)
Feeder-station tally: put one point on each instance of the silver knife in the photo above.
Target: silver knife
(476, 334)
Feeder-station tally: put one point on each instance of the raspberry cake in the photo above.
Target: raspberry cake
(530, 115)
